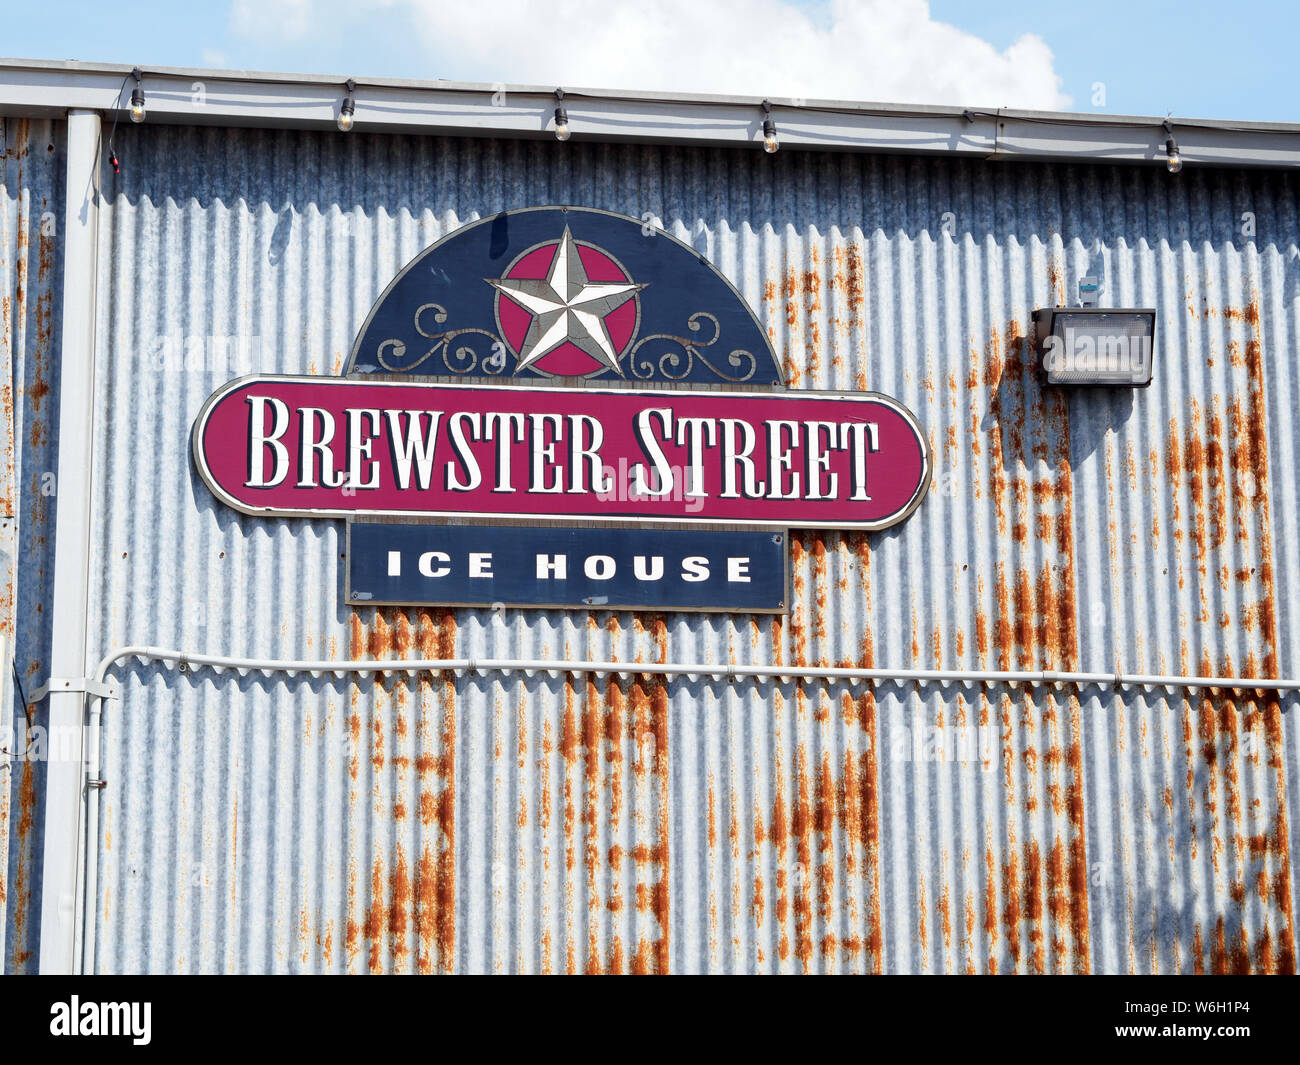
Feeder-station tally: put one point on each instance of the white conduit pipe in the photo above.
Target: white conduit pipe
(184, 659)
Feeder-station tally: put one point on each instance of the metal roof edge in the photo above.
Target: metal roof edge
(196, 96)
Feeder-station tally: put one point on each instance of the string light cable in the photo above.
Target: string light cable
(11, 756)
(969, 114)
(137, 100)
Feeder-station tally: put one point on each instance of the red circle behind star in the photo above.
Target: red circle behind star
(567, 360)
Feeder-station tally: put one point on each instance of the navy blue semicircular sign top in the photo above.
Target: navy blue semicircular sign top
(565, 293)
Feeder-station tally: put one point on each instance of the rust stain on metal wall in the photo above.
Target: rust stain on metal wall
(1042, 892)
(1261, 859)
(401, 913)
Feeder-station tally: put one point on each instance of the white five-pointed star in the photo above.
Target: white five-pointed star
(567, 307)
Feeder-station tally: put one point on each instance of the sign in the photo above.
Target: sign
(585, 374)
(652, 569)
(562, 293)
(326, 447)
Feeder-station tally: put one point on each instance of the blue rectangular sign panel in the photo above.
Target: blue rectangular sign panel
(578, 568)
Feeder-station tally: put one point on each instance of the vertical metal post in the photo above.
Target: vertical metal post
(65, 773)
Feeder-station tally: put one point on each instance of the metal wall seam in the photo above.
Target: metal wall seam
(31, 207)
(437, 823)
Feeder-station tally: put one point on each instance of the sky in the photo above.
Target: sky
(1192, 59)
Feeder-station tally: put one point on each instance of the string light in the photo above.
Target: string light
(117, 113)
(348, 109)
(561, 117)
(137, 98)
(770, 143)
(1173, 160)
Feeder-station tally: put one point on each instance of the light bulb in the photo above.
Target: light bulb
(770, 143)
(137, 105)
(348, 108)
(1174, 161)
(561, 124)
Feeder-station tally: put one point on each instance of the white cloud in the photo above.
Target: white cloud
(875, 50)
(271, 20)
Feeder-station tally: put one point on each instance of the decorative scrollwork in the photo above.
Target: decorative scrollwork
(677, 365)
(461, 352)
(458, 356)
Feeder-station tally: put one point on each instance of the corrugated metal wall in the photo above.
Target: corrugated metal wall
(560, 823)
(31, 205)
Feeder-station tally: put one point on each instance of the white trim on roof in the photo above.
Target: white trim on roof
(190, 96)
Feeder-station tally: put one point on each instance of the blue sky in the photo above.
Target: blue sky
(1194, 59)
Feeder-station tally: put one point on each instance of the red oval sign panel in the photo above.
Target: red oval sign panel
(335, 447)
